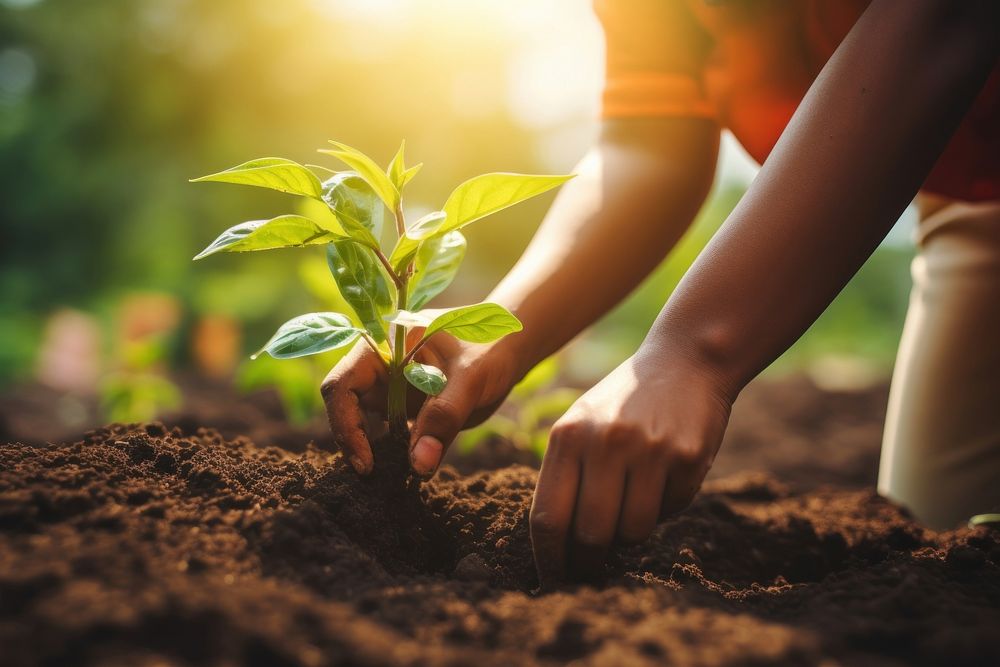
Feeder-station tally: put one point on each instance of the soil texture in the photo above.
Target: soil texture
(162, 545)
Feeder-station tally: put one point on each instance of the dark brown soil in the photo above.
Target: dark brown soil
(145, 545)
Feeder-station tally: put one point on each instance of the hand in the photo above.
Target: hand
(479, 378)
(632, 449)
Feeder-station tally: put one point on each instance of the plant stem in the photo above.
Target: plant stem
(400, 221)
(413, 351)
(388, 267)
(397, 381)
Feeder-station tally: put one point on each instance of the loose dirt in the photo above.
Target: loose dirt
(154, 545)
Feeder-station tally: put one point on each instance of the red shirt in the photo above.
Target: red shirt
(747, 64)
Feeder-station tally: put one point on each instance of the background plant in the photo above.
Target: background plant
(139, 390)
(534, 404)
(384, 285)
(188, 83)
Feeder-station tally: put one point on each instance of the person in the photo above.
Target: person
(852, 107)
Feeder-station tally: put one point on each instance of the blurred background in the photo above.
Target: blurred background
(108, 107)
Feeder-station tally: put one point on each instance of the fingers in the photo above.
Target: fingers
(596, 485)
(598, 505)
(679, 491)
(354, 384)
(641, 504)
(552, 508)
(438, 422)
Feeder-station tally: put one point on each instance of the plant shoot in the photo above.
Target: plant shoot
(385, 285)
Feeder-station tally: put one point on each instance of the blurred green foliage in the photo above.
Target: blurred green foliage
(138, 391)
(293, 379)
(534, 404)
(108, 107)
(114, 105)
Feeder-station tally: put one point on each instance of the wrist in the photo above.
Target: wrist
(513, 356)
(691, 363)
(521, 351)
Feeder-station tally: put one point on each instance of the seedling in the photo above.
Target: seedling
(385, 286)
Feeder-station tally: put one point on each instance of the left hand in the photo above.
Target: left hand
(632, 449)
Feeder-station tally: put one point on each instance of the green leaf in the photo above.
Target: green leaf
(356, 205)
(434, 268)
(397, 168)
(270, 172)
(362, 283)
(409, 174)
(478, 323)
(368, 169)
(426, 226)
(489, 193)
(405, 250)
(408, 319)
(992, 519)
(310, 334)
(285, 231)
(426, 378)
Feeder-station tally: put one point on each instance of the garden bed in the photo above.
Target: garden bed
(163, 545)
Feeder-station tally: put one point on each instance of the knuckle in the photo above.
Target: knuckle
(624, 434)
(689, 452)
(652, 451)
(328, 388)
(543, 524)
(629, 440)
(568, 432)
(441, 409)
(563, 444)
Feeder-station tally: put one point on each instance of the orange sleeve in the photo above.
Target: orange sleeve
(656, 53)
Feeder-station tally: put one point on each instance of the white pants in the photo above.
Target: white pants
(941, 448)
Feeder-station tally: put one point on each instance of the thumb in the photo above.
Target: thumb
(438, 422)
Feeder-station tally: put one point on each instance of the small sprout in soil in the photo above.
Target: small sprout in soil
(385, 286)
(990, 520)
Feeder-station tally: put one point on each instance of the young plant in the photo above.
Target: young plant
(385, 286)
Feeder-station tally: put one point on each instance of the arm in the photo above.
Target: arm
(637, 191)
(635, 195)
(853, 156)
(639, 444)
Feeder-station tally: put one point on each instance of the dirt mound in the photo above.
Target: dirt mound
(146, 546)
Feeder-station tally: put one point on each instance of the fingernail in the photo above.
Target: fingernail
(357, 464)
(426, 454)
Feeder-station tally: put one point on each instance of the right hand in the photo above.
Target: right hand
(479, 379)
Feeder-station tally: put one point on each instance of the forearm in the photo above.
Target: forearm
(852, 157)
(635, 194)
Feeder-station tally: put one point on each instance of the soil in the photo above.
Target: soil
(177, 545)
